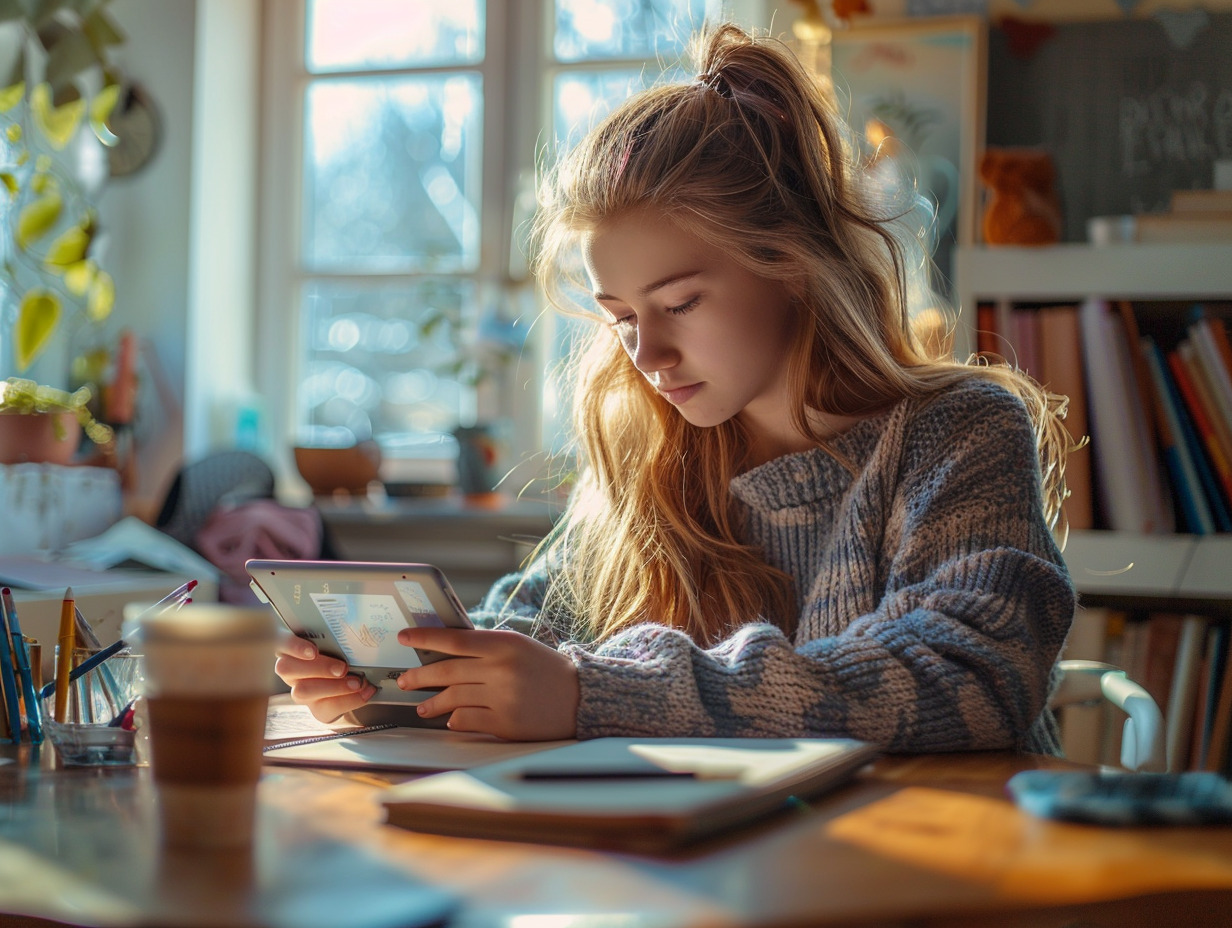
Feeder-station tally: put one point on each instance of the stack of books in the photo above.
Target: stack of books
(1194, 216)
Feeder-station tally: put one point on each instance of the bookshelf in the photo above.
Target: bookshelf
(1075, 271)
(1177, 588)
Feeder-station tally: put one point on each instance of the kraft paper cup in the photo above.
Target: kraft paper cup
(208, 682)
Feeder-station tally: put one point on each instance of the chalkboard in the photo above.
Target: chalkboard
(1126, 115)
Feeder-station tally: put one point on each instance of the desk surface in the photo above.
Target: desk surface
(919, 841)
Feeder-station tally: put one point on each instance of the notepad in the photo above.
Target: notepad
(413, 750)
(642, 794)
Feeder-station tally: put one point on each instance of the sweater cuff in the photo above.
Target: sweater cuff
(644, 697)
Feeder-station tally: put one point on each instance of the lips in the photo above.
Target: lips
(678, 396)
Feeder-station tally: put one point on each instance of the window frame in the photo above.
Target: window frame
(518, 59)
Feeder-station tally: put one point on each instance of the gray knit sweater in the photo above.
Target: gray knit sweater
(935, 601)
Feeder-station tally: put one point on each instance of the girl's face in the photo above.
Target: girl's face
(710, 336)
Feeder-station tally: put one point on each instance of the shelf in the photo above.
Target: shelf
(1189, 270)
(1178, 573)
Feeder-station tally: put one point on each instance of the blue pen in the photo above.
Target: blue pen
(34, 712)
(8, 680)
(86, 666)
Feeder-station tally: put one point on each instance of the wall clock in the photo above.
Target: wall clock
(138, 129)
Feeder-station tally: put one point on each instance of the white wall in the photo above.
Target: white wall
(147, 216)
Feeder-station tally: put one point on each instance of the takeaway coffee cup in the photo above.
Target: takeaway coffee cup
(208, 680)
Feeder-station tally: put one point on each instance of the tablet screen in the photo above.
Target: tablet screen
(366, 624)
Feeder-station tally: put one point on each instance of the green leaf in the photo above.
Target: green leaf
(37, 218)
(101, 30)
(36, 321)
(11, 95)
(101, 301)
(59, 124)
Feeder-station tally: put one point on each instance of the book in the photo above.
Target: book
(1175, 446)
(640, 794)
(1201, 201)
(1061, 371)
(986, 328)
(1212, 226)
(1204, 393)
(1163, 637)
(1217, 757)
(1025, 335)
(1213, 667)
(1215, 453)
(1181, 701)
(1202, 335)
(1081, 724)
(1130, 491)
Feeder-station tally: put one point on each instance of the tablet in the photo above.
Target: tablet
(353, 610)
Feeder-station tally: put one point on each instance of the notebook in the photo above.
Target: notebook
(390, 747)
(640, 794)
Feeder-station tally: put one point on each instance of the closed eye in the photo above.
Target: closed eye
(684, 307)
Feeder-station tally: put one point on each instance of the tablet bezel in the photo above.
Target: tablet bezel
(276, 582)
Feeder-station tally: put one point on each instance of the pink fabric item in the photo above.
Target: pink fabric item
(261, 528)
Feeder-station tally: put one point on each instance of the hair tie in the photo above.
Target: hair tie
(716, 82)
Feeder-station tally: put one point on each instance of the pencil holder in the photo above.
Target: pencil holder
(101, 722)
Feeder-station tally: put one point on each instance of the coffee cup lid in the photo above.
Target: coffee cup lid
(203, 622)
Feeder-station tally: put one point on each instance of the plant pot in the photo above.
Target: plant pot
(38, 437)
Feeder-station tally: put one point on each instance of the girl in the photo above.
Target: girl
(792, 520)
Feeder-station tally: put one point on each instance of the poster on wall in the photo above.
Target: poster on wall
(913, 94)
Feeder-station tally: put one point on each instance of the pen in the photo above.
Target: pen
(597, 773)
(87, 665)
(174, 598)
(33, 710)
(64, 655)
(8, 684)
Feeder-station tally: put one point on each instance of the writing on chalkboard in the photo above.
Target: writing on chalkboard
(1193, 126)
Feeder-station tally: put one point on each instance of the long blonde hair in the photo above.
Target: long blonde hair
(751, 159)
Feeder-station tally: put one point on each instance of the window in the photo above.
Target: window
(392, 262)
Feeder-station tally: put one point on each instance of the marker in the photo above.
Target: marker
(33, 710)
(64, 655)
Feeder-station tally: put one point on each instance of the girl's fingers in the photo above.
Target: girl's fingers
(329, 699)
(440, 673)
(460, 642)
(294, 646)
(476, 718)
(293, 669)
(455, 697)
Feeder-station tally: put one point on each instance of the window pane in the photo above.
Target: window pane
(590, 29)
(392, 173)
(371, 34)
(380, 362)
(580, 99)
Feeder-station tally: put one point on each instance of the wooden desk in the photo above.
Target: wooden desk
(923, 841)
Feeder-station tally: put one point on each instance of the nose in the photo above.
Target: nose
(651, 349)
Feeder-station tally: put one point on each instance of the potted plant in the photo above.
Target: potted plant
(57, 91)
(44, 424)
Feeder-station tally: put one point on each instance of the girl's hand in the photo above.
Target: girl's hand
(321, 683)
(500, 682)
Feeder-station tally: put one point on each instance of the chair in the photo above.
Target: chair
(1143, 745)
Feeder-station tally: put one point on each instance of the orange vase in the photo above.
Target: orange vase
(36, 437)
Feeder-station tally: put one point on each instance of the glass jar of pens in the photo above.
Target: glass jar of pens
(94, 711)
(97, 719)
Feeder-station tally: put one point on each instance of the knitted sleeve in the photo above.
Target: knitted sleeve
(956, 654)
